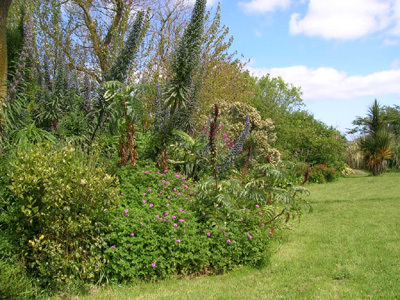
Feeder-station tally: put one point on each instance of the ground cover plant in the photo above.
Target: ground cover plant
(346, 249)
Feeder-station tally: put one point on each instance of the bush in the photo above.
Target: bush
(159, 231)
(320, 173)
(58, 213)
(14, 282)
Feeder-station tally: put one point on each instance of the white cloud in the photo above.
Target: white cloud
(345, 19)
(329, 83)
(262, 6)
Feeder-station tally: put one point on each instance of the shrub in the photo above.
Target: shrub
(59, 212)
(14, 282)
(159, 230)
(320, 173)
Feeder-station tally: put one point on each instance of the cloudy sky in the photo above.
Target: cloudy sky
(342, 53)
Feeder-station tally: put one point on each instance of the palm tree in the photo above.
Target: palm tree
(377, 144)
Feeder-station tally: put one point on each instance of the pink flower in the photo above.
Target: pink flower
(179, 194)
(181, 220)
(157, 216)
(149, 190)
(167, 204)
(168, 182)
(257, 205)
(224, 235)
(175, 225)
(125, 211)
(160, 192)
(144, 194)
(153, 265)
(166, 214)
(174, 189)
(183, 178)
(163, 181)
(180, 209)
(122, 193)
(178, 241)
(204, 213)
(173, 217)
(177, 176)
(228, 241)
(141, 223)
(151, 205)
(165, 171)
(262, 224)
(260, 213)
(208, 234)
(250, 237)
(113, 246)
(241, 219)
(131, 234)
(234, 242)
(271, 233)
(247, 233)
(144, 201)
(169, 197)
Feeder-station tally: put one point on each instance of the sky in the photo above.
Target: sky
(343, 54)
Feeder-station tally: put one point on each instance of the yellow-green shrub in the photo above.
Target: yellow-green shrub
(58, 212)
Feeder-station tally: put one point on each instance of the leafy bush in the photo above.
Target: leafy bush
(320, 173)
(159, 230)
(14, 282)
(59, 212)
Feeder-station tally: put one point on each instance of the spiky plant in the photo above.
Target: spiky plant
(377, 145)
(181, 92)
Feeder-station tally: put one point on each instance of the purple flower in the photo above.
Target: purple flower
(144, 201)
(169, 197)
(250, 237)
(177, 176)
(149, 190)
(260, 213)
(132, 234)
(122, 193)
(165, 171)
(179, 194)
(208, 234)
(173, 217)
(157, 216)
(168, 182)
(228, 241)
(183, 178)
(151, 205)
(178, 241)
(175, 225)
(153, 265)
(141, 223)
(166, 214)
(174, 189)
(181, 220)
(257, 205)
(163, 181)
(144, 194)
(113, 246)
(125, 211)
(204, 213)
(146, 172)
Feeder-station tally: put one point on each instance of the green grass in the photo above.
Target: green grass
(348, 248)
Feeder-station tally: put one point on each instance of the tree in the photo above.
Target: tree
(4, 7)
(377, 144)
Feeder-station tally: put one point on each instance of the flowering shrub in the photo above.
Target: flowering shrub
(159, 231)
(320, 173)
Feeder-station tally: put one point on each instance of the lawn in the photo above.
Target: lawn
(347, 248)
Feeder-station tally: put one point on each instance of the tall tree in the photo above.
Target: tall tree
(4, 7)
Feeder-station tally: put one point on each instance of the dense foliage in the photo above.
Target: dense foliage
(134, 146)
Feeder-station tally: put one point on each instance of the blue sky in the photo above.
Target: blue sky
(342, 53)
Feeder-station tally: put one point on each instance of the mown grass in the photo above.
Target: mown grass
(348, 248)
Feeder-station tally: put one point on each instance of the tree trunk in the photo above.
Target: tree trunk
(4, 7)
